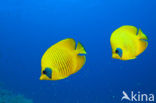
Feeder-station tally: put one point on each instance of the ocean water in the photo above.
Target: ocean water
(29, 27)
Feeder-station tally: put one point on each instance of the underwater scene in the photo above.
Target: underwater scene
(77, 51)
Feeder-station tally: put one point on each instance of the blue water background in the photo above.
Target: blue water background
(29, 27)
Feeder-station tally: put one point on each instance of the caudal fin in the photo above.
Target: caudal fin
(141, 35)
(143, 42)
(80, 49)
(81, 59)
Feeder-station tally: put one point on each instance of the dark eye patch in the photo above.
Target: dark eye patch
(119, 51)
(116, 51)
(48, 72)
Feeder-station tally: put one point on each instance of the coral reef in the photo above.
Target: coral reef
(8, 97)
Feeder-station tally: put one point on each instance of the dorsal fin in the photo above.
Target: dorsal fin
(68, 43)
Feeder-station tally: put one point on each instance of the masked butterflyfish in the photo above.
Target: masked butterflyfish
(128, 42)
(62, 60)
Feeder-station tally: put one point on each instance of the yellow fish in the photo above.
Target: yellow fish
(62, 59)
(127, 42)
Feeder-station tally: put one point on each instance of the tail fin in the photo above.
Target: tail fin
(81, 59)
(141, 35)
(80, 49)
(143, 42)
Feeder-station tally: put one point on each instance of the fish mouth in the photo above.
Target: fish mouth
(44, 77)
(41, 78)
(115, 56)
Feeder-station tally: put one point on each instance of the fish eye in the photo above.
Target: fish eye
(116, 51)
(48, 72)
(44, 72)
(119, 51)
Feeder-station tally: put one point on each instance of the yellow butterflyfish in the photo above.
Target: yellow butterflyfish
(128, 42)
(62, 60)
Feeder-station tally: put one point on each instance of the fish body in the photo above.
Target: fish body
(128, 42)
(62, 60)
